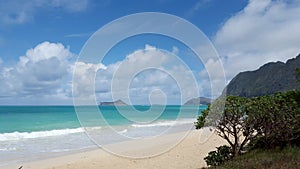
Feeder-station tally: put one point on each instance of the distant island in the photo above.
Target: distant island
(192, 102)
(268, 79)
(199, 101)
(114, 103)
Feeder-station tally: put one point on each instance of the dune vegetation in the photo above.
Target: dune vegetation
(261, 132)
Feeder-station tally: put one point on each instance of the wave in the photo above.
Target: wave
(8, 149)
(92, 128)
(14, 136)
(123, 131)
(165, 123)
(36, 134)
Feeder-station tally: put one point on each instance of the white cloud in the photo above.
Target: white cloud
(153, 69)
(200, 4)
(78, 35)
(144, 72)
(43, 72)
(18, 12)
(71, 6)
(43, 76)
(212, 79)
(263, 31)
(45, 64)
(6, 87)
(85, 75)
(175, 50)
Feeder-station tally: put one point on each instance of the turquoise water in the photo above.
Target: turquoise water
(30, 132)
(42, 118)
(36, 118)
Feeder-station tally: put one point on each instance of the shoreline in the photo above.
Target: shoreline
(188, 153)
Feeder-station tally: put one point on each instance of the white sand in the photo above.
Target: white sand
(189, 153)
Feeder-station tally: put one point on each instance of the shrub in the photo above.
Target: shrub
(276, 118)
(221, 155)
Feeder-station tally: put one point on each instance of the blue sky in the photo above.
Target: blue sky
(40, 41)
(73, 27)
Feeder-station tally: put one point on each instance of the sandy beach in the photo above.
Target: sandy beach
(189, 153)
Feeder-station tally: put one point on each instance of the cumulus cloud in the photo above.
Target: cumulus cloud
(213, 79)
(16, 12)
(83, 82)
(5, 87)
(263, 31)
(143, 75)
(150, 69)
(175, 50)
(43, 68)
(149, 75)
(44, 71)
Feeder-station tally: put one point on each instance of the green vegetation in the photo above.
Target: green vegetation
(267, 123)
(220, 156)
(232, 125)
(268, 79)
(288, 158)
(298, 74)
(276, 119)
(201, 120)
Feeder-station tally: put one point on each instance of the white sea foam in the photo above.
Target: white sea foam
(122, 131)
(60, 150)
(8, 149)
(37, 134)
(92, 128)
(165, 123)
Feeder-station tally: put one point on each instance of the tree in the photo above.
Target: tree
(211, 116)
(232, 124)
(298, 74)
(201, 119)
(276, 119)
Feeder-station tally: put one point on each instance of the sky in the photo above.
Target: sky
(40, 42)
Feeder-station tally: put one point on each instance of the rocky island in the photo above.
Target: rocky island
(198, 101)
(114, 103)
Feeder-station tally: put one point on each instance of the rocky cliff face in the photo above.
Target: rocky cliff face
(270, 78)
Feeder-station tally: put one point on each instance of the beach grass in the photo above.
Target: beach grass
(287, 158)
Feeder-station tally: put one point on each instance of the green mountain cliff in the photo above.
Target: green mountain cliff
(269, 78)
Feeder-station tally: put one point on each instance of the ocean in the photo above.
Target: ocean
(35, 132)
